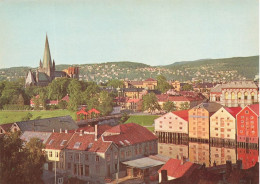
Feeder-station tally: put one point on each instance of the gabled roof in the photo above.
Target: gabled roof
(48, 124)
(211, 107)
(42, 77)
(128, 134)
(91, 130)
(176, 169)
(43, 136)
(162, 97)
(216, 89)
(66, 98)
(150, 79)
(131, 100)
(182, 114)
(240, 84)
(56, 139)
(233, 110)
(255, 108)
(136, 82)
(94, 110)
(6, 127)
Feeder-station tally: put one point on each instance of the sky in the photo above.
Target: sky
(154, 32)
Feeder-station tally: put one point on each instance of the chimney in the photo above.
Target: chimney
(183, 159)
(95, 132)
(60, 130)
(53, 130)
(164, 175)
(66, 131)
(81, 131)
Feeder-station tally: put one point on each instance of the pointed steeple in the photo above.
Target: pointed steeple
(47, 55)
(40, 65)
(53, 65)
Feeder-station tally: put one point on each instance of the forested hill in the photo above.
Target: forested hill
(206, 69)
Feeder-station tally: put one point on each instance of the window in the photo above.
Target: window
(251, 117)
(245, 95)
(160, 126)
(216, 134)
(246, 112)
(242, 117)
(228, 135)
(51, 141)
(241, 131)
(170, 117)
(170, 122)
(242, 125)
(180, 123)
(180, 128)
(97, 158)
(227, 124)
(242, 121)
(57, 154)
(63, 142)
(239, 95)
(50, 154)
(229, 130)
(170, 126)
(77, 145)
(226, 95)
(86, 170)
(194, 128)
(115, 154)
(216, 128)
(164, 117)
(160, 122)
(252, 96)
(69, 166)
(233, 96)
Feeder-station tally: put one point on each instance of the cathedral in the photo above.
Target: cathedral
(46, 72)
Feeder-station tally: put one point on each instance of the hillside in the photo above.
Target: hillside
(206, 69)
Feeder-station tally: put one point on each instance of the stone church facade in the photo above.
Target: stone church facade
(46, 71)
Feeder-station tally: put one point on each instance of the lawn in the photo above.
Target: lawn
(144, 120)
(14, 116)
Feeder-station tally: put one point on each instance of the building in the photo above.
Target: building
(223, 125)
(46, 72)
(235, 93)
(43, 136)
(172, 124)
(178, 168)
(247, 124)
(48, 102)
(5, 128)
(199, 117)
(176, 85)
(149, 83)
(55, 124)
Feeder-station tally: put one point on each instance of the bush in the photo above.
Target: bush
(16, 107)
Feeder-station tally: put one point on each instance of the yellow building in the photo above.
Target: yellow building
(199, 120)
(176, 85)
(223, 124)
(146, 84)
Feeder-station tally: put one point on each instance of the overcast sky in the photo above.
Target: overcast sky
(147, 31)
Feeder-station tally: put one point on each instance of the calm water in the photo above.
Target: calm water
(206, 153)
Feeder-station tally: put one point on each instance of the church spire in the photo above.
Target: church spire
(47, 55)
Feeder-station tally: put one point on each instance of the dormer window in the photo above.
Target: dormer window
(51, 141)
(63, 142)
(77, 145)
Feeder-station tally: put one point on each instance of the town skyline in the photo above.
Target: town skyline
(153, 33)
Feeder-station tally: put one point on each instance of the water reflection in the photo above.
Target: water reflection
(208, 153)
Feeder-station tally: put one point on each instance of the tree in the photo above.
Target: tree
(106, 103)
(163, 85)
(169, 106)
(74, 102)
(150, 103)
(74, 87)
(115, 83)
(20, 100)
(62, 104)
(18, 163)
(187, 87)
(184, 106)
(124, 118)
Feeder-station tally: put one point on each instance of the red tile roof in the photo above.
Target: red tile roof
(176, 169)
(6, 127)
(136, 82)
(57, 140)
(66, 98)
(255, 108)
(233, 110)
(133, 100)
(162, 97)
(93, 110)
(131, 132)
(90, 129)
(179, 98)
(150, 79)
(182, 114)
(82, 111)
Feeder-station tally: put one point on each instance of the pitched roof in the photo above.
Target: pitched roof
(48, 124)
(176, 169)
(47, 55)
(136, 82)
(211, 107)
(233, 110)
(133, 100)
(56, 139)
(91, 130)
(162, 97)
(216, 89)
(255, 108)
(182, 114)
(93, 110)
(43, 136)
(128, 134)
(240, 84)
(150, 79)
(87, 142)
(6, 127)
(66, 98)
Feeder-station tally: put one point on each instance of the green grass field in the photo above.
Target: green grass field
(144, 120)
(14, 116)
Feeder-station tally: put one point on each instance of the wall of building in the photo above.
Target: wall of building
(199, 153)
(170, 123)
(221, 154)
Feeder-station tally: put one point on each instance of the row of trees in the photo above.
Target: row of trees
(150, 104)
(19, 162)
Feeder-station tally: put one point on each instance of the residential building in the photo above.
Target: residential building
(134, 105)
(172, 124)
(176, 85)
(55, 124)
(46, 71)
(199, 117)
(5, 128)
(49, 102)
(235, 93)
(223, 125)
(247, 124)
(42, 136)
(178, 168)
